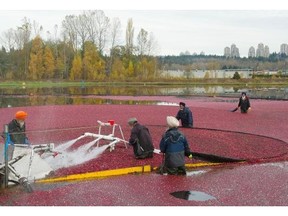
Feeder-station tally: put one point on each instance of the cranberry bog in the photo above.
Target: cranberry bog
(259, 139)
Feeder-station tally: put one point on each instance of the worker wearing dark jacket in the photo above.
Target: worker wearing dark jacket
(244, 103)
(140, 139)
(185, 115)
(175, 147)
(17, 128)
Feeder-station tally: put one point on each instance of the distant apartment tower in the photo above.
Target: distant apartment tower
(251, 52)
(234, 51)
(231, 52)
(227, 52)
(262, 51)
(266, 52)
(284, 49)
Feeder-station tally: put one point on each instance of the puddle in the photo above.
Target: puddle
(192, 195)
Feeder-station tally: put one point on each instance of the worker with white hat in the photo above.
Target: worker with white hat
(175, 147)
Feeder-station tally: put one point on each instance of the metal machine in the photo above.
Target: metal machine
(22, 163)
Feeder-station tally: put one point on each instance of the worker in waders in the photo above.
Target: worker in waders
(140, 139)
(17, 128)
(175, 147)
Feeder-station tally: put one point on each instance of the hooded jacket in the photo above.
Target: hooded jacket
(175, 146)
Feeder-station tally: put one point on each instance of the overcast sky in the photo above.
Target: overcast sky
(177, 27)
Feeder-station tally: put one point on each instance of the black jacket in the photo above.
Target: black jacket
(186, 117)
(17, 134)
(244, 104)
(141, 135)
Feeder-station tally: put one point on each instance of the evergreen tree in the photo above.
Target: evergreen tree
(236, 75)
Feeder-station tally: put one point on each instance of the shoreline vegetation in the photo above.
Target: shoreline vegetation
(166, 82)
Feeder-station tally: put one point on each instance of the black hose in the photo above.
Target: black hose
(220, 159)
(214, 158)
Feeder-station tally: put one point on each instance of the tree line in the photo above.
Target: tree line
(78, 54)
(89, 47)
(275, 62)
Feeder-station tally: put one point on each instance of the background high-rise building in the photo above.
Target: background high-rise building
(266, 52)
(251, 52)
(284, 49)
(234, 51)
(227, 52)
(260, 50)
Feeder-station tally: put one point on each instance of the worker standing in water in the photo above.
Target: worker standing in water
(140, 139)
(175, 147)
(243, 104)
(17, 128)
(185, 116)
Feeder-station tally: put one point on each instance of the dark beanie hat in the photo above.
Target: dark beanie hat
(182, 103)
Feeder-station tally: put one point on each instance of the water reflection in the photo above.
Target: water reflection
(192, 195)
(64, 100)
(23, 96)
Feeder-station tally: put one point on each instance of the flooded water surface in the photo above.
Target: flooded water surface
(23, 96)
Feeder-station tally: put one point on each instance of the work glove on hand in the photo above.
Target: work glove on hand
(188, 154)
